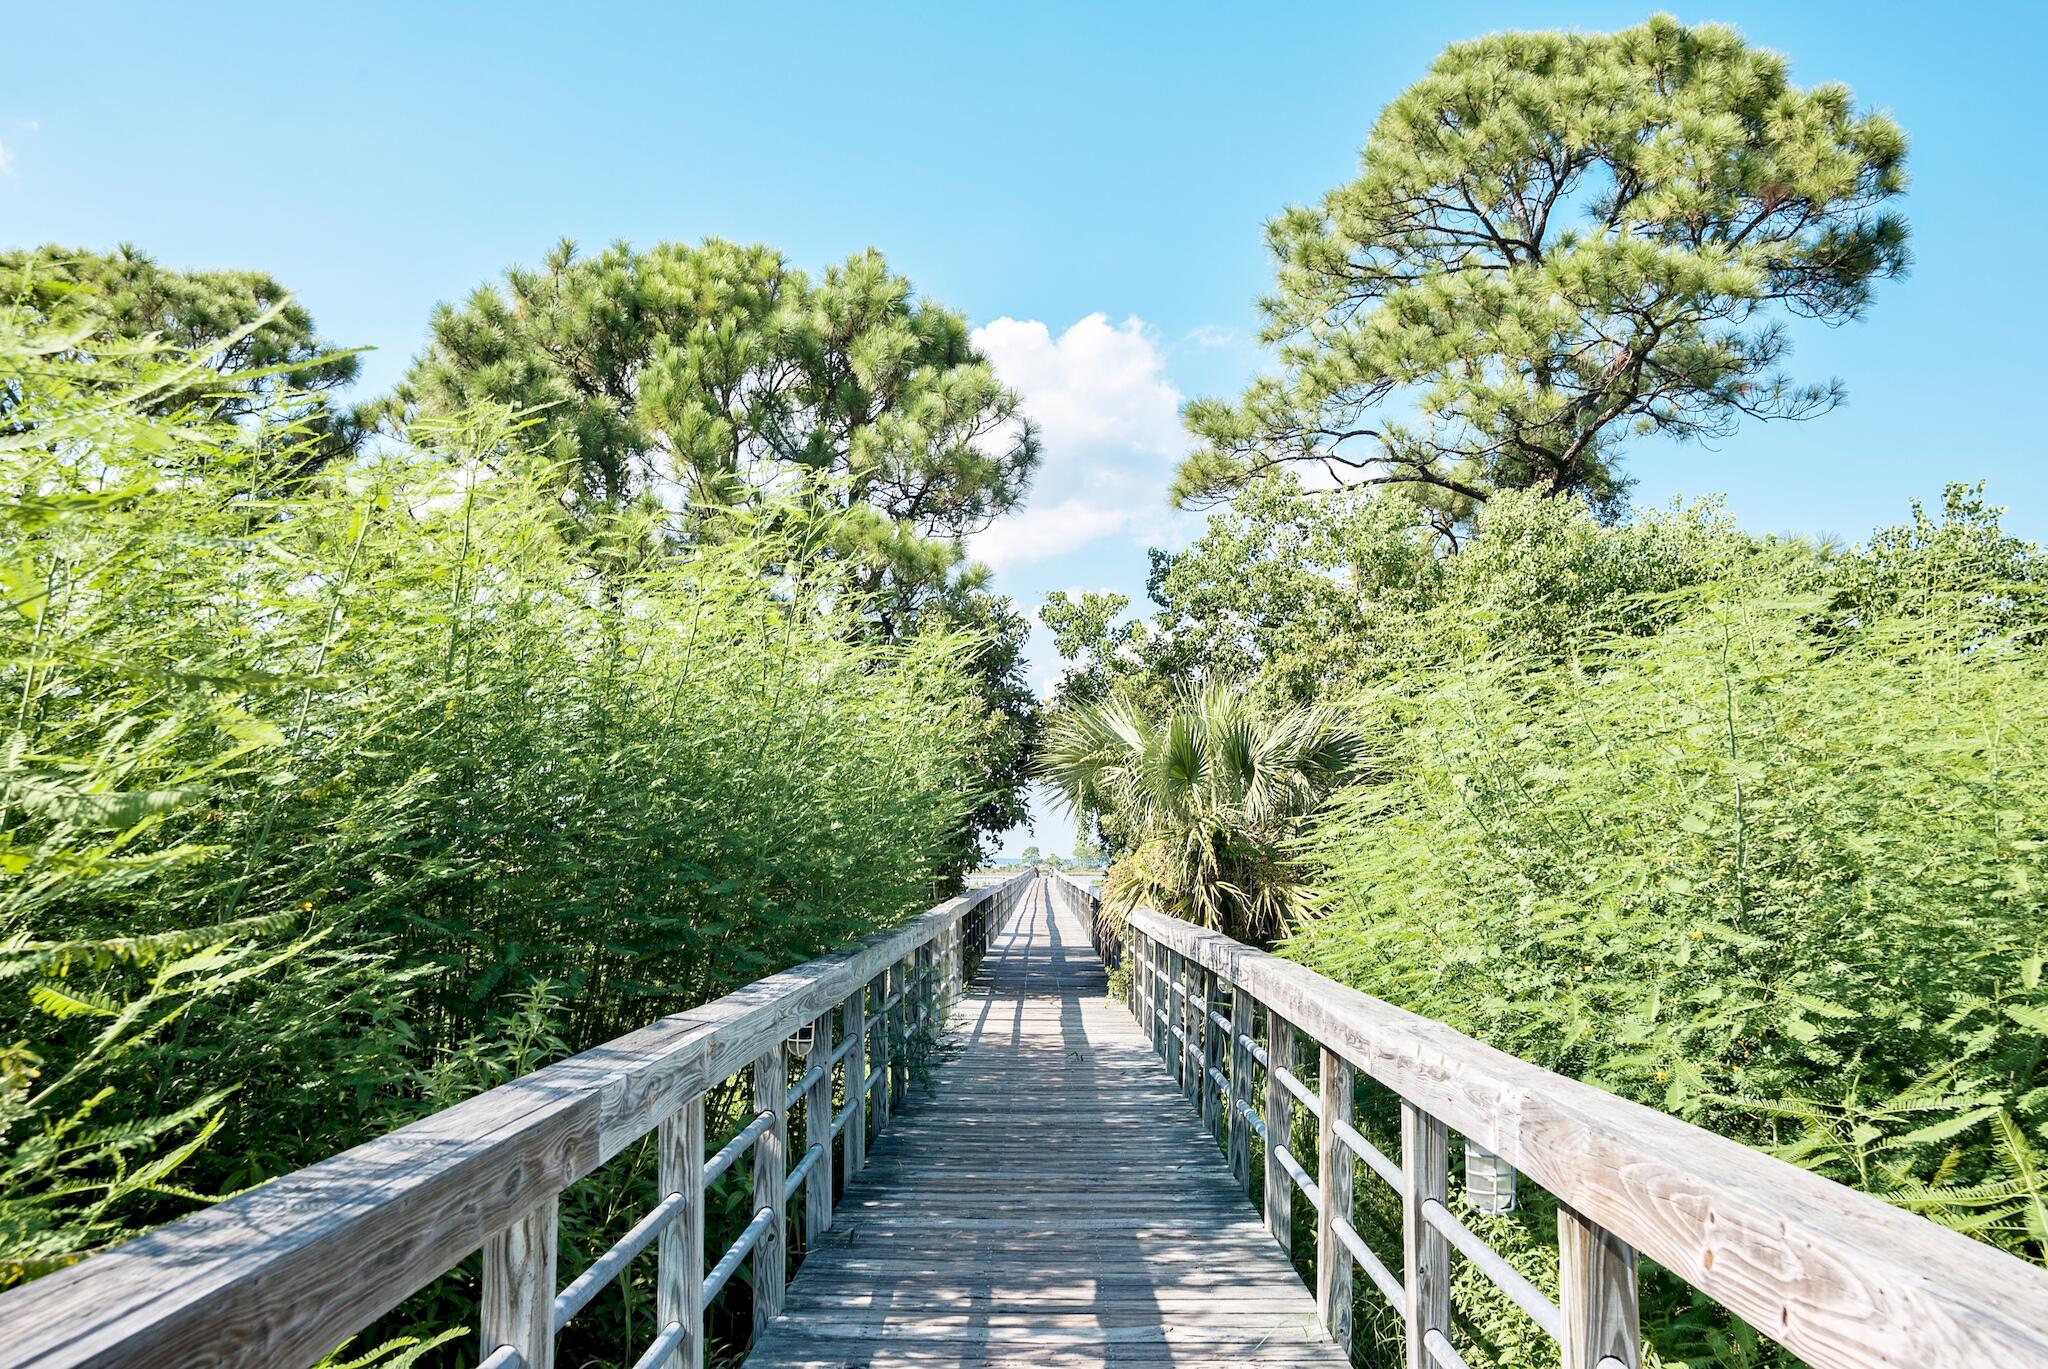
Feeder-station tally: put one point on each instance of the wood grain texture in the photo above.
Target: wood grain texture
(1055, 1202)
(885, 1066)
(517, 1307)
(1425, 1254)
(1212, 1057)
(1842, 1279)
(679, 1253)
(771, 1166)
(1241, 1077)
(1162, 1001)
(818, 1133)
(1279, 1116)
(1334, 1169)
(854, 1023)
(281, 1275)
(1596, 1288)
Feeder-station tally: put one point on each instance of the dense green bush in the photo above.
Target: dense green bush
(1743, 829)
(1762, 850)
(325, 802)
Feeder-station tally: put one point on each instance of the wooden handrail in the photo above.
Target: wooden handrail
(281, 1275)
(1840, 1278)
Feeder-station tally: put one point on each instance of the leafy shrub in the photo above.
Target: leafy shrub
(1761, 850)
(326, 801)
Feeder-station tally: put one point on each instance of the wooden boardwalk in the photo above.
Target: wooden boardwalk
(1057, 1202)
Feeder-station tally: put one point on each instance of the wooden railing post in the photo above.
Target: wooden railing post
(1190, 1031)
(519, 1288)
(1240, 1087)
(679, 1257)
(1162, 1001)
(1334, 1167)
(771, 1167)
(1169, 1001)
(903, 981)
(885, 1066)
(1141, 994)
(1596, 1291)
(1169, 1044)
(1425, 1254)
(949, 966)
(1212, 1057)
(818, 1133)
(1279, 1128)
(853, 1027)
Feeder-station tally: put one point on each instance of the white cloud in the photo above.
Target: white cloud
(1040, 530)
(1209, 335)
(6, 160)
(1110, 423)
(1097, 386)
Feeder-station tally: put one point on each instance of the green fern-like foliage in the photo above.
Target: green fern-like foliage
(328, 799)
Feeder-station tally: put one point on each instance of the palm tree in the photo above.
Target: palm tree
(1209, 796)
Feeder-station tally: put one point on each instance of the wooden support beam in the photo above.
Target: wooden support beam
(519, 1289)
(679, 1255)
(771, 1167)
(1596, 1286)
(1240, 1150)
(1425, 1254)
(818, 1133)
(853, 1027)
(1334, 1168)
(1190, 1031)
(1279, 1129)
(906, 1028)
(1212, 1056)
(1162, 1001)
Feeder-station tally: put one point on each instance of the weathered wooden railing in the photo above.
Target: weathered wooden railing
(283, 1274)
(1838, 1277)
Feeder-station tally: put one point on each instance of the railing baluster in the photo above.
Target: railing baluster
(1212, 1057)
(1334, 1168)
(818, 1133)
(1596, 1286)
(1240, 1087)
(1190, 1033)
(770, 1169)
(679, 1252)
(1162, 1001)
(854, 1027)
(885, 1063)
(1425, 1254)
(905, 993)
(1279, 1128)
(518, 1307)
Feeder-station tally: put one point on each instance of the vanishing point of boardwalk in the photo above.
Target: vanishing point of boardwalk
(1057, 1202)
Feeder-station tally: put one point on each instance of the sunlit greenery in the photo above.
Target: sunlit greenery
(326, 803)
(1744, 829)
(1209, 792)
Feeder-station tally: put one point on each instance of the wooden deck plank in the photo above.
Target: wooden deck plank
(1054, 1201)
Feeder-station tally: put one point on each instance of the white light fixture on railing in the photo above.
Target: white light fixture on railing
(1489, 1181)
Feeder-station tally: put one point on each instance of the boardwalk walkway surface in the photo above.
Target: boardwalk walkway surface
(1056, 1202)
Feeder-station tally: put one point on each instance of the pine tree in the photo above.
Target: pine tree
(261, 351)
(722, 372)
(1558, 240)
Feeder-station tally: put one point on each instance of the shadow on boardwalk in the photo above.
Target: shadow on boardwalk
(1056, 1203)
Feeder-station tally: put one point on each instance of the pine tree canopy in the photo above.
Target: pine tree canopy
(721, 370)
(1557, 241)
(280, 366)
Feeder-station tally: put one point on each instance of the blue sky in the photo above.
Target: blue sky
(1085, 182)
